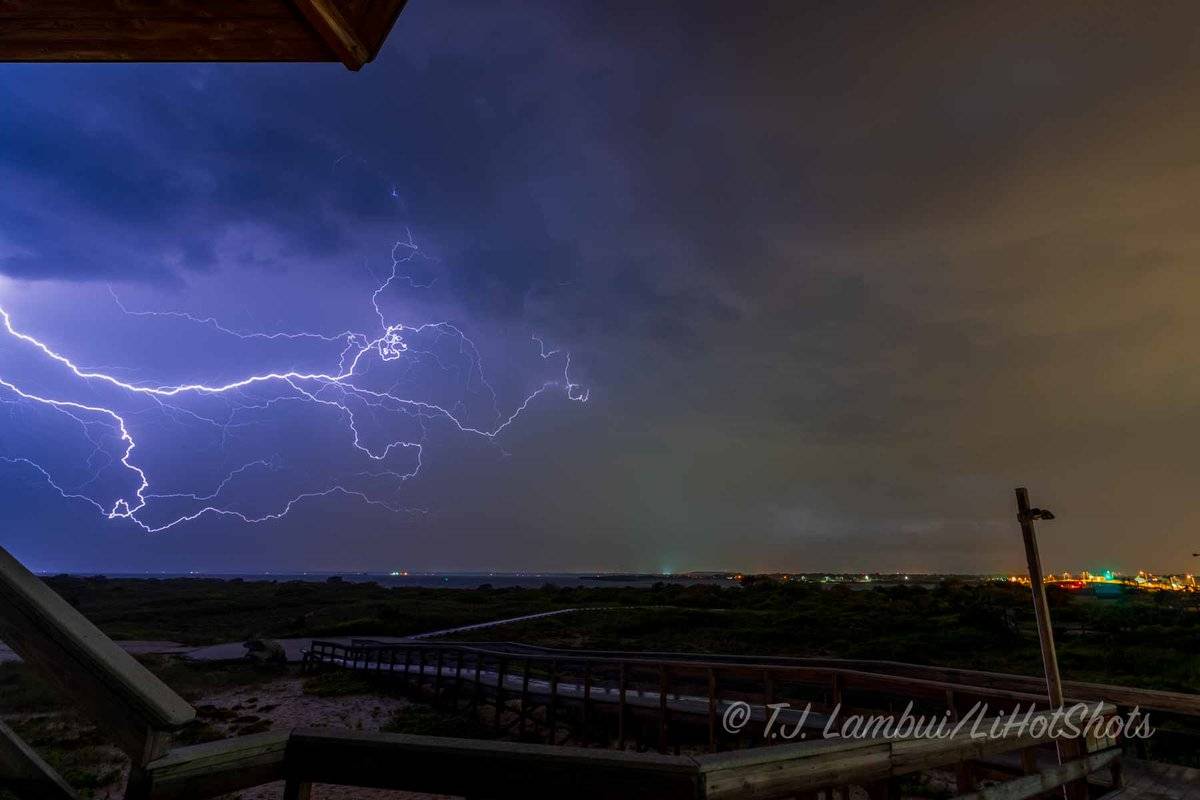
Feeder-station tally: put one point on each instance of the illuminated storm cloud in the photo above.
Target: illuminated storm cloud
(254, 447)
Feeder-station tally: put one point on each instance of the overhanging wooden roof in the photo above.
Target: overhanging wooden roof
(349, 31)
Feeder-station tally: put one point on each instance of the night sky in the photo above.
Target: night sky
(836, 277)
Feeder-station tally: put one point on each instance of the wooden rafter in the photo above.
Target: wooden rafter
(335, 31)
(349, 31)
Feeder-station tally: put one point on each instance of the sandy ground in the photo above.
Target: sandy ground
(278, 705)
(282, 705)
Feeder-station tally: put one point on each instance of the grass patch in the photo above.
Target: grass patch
(341, 683)
(23, 692)
(195, 679)
(426, 721)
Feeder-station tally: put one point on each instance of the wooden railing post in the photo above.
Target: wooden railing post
(501, 668)
(587, 698)
(622, 681)
(552, 707)
(296, 790)
(664, 719)
(477, 693)
(886, 789)
(712, 710)
(524, 697)
(458, 666)
(437, 678)
(964, 775)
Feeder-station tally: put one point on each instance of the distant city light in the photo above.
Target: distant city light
(1142, 580)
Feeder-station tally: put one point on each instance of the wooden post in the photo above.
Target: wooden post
(1067, 749)
(437, 679)
(712, 710)
(524, 697)
(552, 707)
(884, 789)
(296, 790)
(1040, 607)
(964, 776)
(501, 667)
(478, 693)
(587, 698)
(458, 665)
(663, 710)
(622, 685)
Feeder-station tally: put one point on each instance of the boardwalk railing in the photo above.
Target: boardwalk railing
(140, 713)
(665, 701)
(132, 706)
(471, 768)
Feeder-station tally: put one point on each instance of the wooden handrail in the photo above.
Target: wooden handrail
(127, 700)
(788, 770)
(1041, 782)
(532, 772)
(472, 768)
(798, 674)
(216, 768)
(1146, 699)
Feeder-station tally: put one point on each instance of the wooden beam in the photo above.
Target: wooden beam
(473, 768)
(333, 28)
(157, 30)
(128, 702)
(24, 774)
(216, 768)
(1047, 779)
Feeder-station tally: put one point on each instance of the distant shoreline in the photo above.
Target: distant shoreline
(530, 580)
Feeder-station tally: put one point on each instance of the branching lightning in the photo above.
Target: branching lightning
(343, 390)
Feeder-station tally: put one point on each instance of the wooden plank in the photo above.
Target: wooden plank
(25, 774)
(295, 790)
(262, 30)
(472, 768)
(786, 770)
(375, 20)
(127, 700)
(1147, 699)
(215, 768)
(350, 31)
(327, 20)
(1047, 779)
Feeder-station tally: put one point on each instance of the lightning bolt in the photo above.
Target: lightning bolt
(344, 390)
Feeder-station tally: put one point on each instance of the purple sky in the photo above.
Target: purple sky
(837, 280)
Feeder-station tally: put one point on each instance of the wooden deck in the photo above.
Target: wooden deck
(140, 713)
(1151, 780)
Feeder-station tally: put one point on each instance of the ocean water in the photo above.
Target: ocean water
(450, 580)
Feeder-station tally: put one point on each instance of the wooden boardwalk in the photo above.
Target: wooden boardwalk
(1153, 780)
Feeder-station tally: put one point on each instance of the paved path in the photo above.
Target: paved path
(234, 651)
(136, 647)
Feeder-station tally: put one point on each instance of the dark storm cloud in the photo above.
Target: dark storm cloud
(841, 274)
